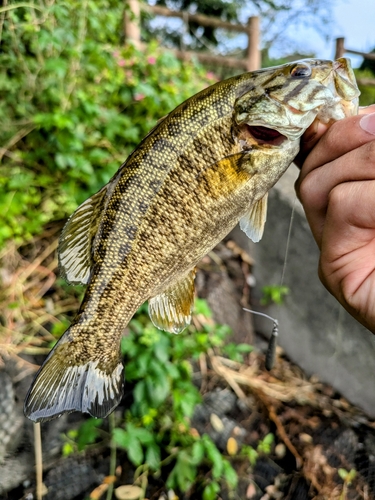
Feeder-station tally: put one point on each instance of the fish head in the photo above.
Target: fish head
(280, 103)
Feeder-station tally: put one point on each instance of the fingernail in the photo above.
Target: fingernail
(367, 123)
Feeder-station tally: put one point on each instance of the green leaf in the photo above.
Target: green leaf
(157, 389)
(120, 438)
(88, 432)
(139, 392)
(274, 293)
(211, 490)
(161, 350)
(67, 449)
(251, 453)
(153, 456)
(145, 436)
(343, 473)
(197, 452)
(201, 307)
(130, 442)
(230, 475)
(135, 452)
(215, 457)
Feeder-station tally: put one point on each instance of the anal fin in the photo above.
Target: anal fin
(252, 224)
(171, 310)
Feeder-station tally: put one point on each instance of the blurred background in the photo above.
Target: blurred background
(81, 83)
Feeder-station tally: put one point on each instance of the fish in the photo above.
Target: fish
(205, 166)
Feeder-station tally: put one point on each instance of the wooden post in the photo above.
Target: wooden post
(253, 60)
(132, 29)
(340, 50)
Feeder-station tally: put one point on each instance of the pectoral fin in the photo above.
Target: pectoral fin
(171, 310)
(252, 224)
(75, 245)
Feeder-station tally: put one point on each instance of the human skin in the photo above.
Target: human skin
(336, 187)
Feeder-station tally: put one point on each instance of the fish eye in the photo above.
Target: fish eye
(301, 71)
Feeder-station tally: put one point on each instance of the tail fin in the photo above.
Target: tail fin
(64, 384)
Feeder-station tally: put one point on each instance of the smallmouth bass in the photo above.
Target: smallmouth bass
(207, 165)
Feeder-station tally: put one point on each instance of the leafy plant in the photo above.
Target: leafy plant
(236, 352)
(264, 447)
(367, 96)
(75, 105)
(347, 477)
(274, 294)
(156, 431)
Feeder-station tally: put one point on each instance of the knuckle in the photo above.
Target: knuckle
(338, 196)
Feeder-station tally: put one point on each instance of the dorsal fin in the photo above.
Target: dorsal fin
(75, 245)
(252, 224)
(171, 310)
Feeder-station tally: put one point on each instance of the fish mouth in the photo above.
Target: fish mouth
(263, 135)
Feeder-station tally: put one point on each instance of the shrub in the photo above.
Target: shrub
(76, 104)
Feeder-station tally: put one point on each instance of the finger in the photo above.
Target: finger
(315, 132)
(316, 188)
(348, 245)
(341, 137)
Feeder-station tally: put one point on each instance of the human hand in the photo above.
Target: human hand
(337, 190)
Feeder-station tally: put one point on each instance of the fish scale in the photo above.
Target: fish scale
(207, 165)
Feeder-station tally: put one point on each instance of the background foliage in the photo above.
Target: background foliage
(76, 105)
(367, 70)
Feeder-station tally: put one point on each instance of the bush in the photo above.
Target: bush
(76, 105)
(367, 96)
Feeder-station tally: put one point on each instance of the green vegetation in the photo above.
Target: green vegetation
(76, 105)
(264, 448)
(367, 96)
(347, 477)
(156, 431)
(274, 294)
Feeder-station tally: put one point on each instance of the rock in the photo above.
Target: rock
(69, 479)
(11, 420)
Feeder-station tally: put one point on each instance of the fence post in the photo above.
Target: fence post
(340, 50)
(132, 22)
(253, 61)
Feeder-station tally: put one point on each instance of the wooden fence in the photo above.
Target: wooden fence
(250, 62)
(341, 50)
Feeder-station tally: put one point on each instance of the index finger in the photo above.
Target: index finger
(341, 137)
(316, 130)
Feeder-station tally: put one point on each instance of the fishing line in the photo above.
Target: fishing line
(288, 242)
(272, 343)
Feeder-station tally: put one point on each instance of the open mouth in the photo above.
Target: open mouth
(265, 135)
